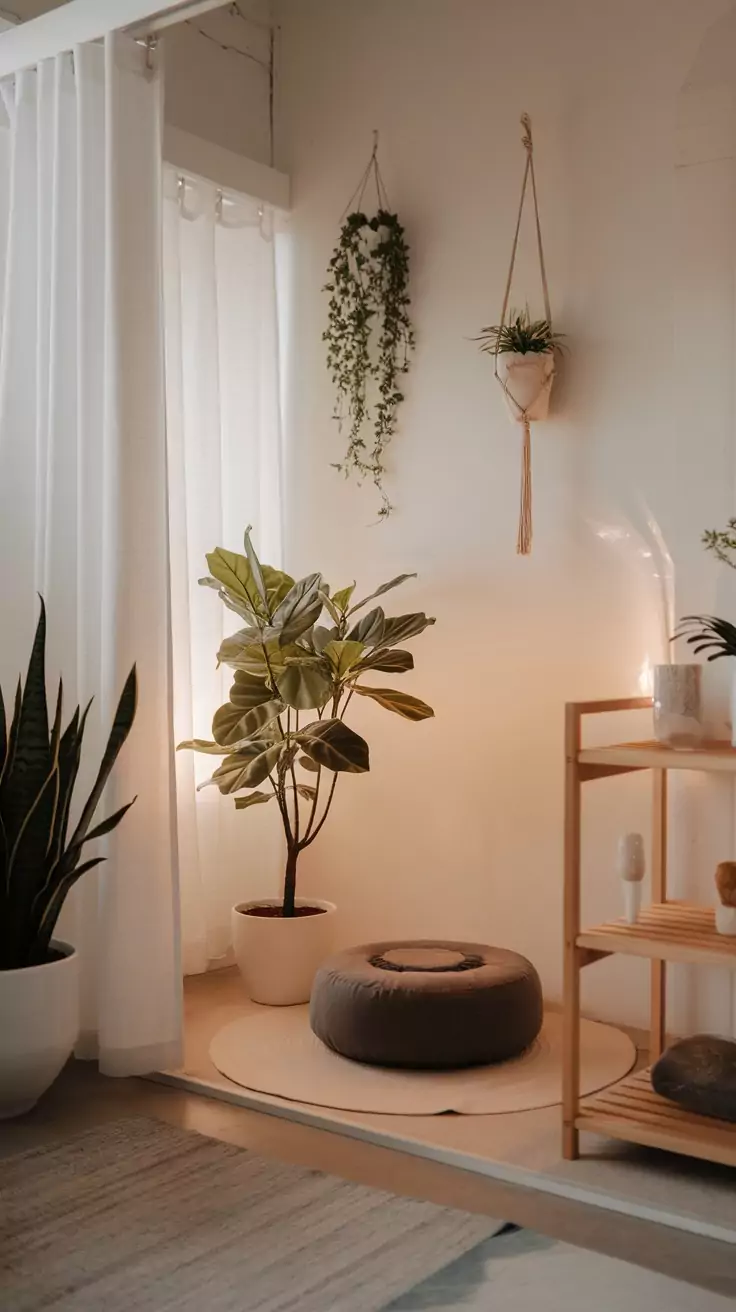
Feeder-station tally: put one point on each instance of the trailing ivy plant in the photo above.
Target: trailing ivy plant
(294, 678)
(369, 338)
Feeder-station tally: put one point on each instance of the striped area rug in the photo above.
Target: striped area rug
(138, 1216)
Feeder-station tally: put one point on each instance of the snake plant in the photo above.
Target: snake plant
(39, 859)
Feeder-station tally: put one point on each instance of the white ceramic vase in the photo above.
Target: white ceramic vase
(725, 919)
(527, 382)
(39, 1025)
(278, 958)
(677, 705)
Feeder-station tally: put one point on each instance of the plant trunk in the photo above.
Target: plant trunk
(290, 882)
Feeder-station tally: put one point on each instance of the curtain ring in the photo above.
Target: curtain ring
(219, 201)
(151, 48)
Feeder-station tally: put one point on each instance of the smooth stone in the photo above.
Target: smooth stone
(699, 1074)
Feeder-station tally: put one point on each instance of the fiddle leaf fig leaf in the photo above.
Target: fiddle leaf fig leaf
(343, 655)
(249, 690)
(341, 598)
(278, 584)
(203, 745)
(379, 592)
(232, 726)
(234, 573)
(334, 746)
(387, 661)
(252, 799)
(255, 566)
(300, 609)
(369, 630)
(246, 768)
(304, 685)
(410, 707)
(404, 627)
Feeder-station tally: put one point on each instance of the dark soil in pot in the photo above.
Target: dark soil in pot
(277, 913)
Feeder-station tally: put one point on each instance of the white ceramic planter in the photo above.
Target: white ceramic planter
(39, 1025)
(725, 919)
(278, 958)
(527, 382)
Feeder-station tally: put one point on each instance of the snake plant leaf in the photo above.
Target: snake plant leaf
(32, 763)
(26, 868)
(300, 609)
(252, 799)
(404, 627)
(245, 768)
(343, 656)
(387, 661)
(121, 726)
(341, 598)
(70, 755)
(249, 690)
(708, 633)
(45, 928)
(12, 737)
(231, 726)
(3, 734)
(107, 826)
(369, 629)
(410, 707)
(379, 592)
(331, 744)
(304, 686)
(255, 566)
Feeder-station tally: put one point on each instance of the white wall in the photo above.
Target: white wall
(458, 828)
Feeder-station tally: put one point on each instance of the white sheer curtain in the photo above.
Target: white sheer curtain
(83, 498)
(224, 444)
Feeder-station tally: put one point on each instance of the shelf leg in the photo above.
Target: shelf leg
(571, 981)
(658, 987)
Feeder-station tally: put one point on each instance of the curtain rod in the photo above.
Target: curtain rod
(193, 9)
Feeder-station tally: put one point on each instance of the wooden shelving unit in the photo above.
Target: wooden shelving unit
(666, 931)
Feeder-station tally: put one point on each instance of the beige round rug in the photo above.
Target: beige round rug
(272, 1050)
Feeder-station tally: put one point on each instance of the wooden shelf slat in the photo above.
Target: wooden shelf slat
(667, 931)
(718, 756)
(632, 1111)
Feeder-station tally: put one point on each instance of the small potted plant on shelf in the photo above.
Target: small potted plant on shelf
(524, 354)
(708, 633)
(40, 861)
(284, 739)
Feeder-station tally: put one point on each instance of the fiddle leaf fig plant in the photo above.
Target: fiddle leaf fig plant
(297, 663)
(39, 763)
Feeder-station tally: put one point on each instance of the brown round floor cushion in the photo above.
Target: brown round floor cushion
(426, 1004)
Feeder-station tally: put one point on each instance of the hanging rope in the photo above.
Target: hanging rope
(524, 539)
(372, 168)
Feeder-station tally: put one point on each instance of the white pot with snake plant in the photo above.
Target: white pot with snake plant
(41, 858)
(303, 654)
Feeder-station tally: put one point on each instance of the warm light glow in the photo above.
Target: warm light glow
(646, 678)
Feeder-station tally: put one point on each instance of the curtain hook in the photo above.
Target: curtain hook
(151, 48)
(219, 198)
(181, 192)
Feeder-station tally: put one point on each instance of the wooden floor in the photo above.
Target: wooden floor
(82, 1098)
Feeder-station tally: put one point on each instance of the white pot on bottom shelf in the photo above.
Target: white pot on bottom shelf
(277, 957)
(39, 1025)
(527, 381)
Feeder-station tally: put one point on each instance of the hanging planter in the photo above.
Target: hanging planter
(524, 352)
(369, 334)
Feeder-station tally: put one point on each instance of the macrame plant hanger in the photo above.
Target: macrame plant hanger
(372, 168)
(524, 414)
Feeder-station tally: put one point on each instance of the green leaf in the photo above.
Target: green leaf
(404, 627)
(385, 587)
(202, 745)
(410, 707)
(278, 584)
(341, 598)
(304, 685)
(343, 656)
(121, 726)
(369, 630)
(330, 606)
(31, 763)
(249, 690)
(300, 609)
(234, 573)
(307, 764)
(321, 636)
(387, 661)
(307, 792)
(331, 744)
(244, 769)
(231, 725)
(252, 799)
(255, 566)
